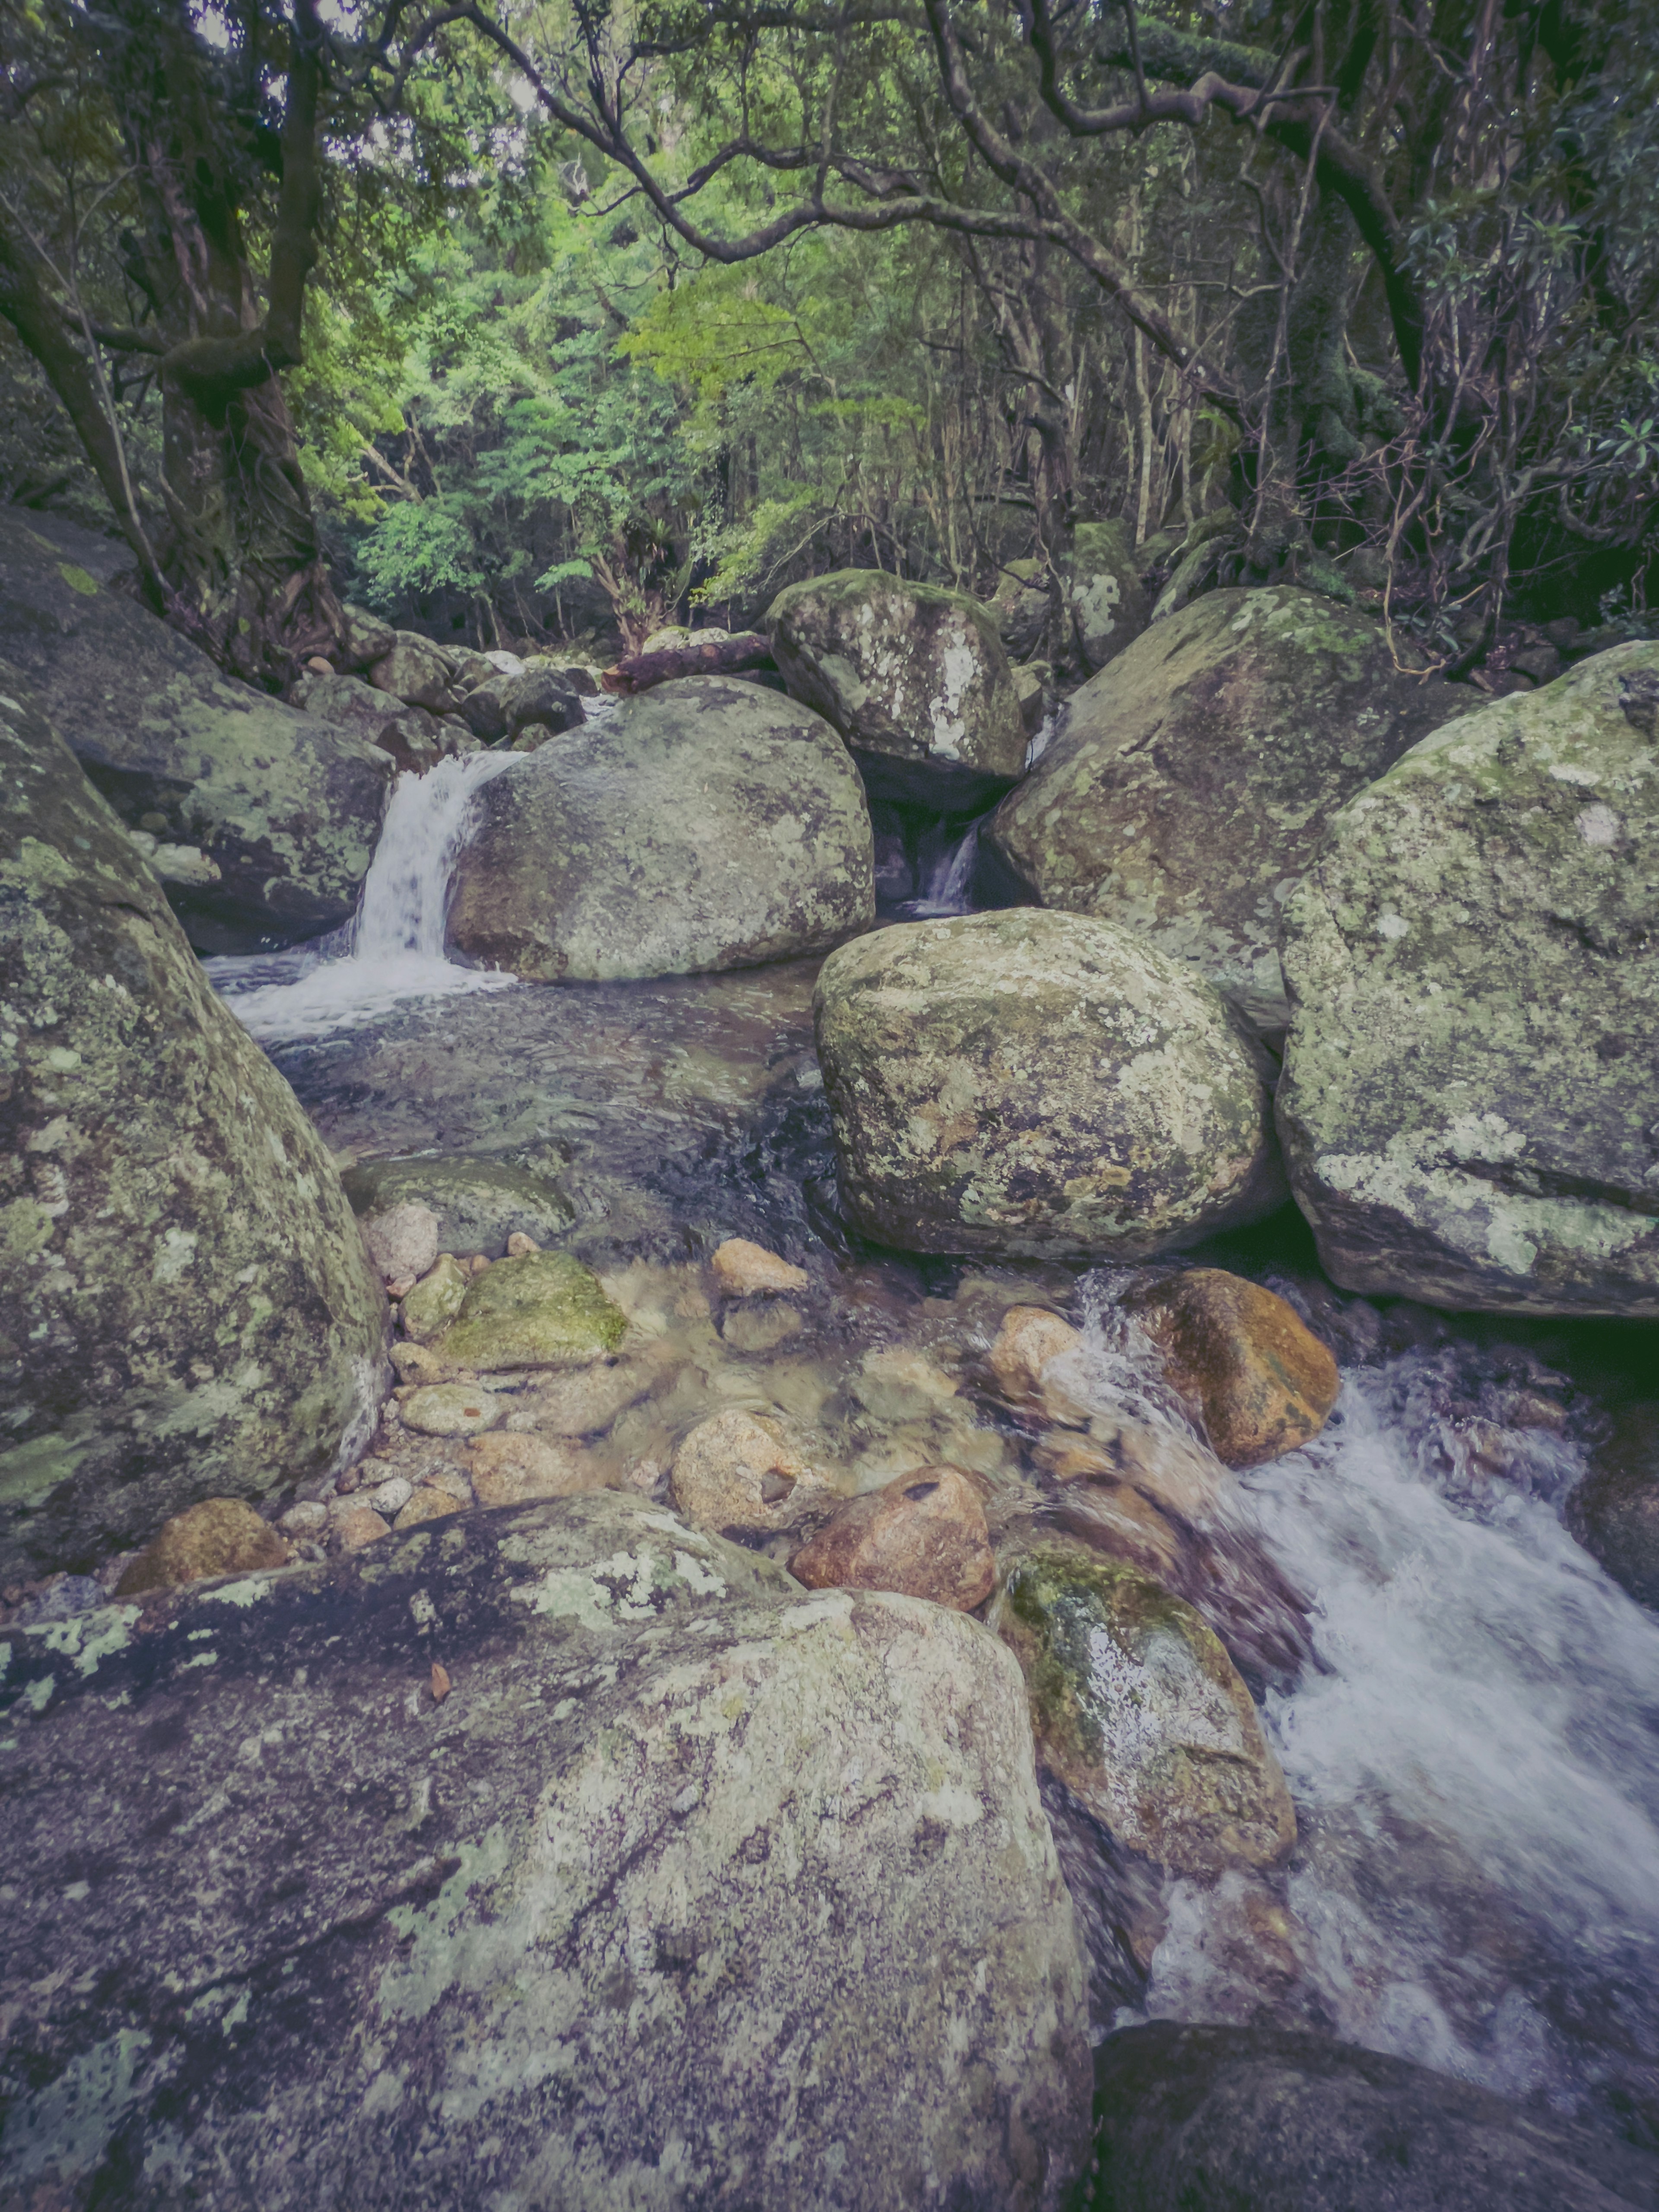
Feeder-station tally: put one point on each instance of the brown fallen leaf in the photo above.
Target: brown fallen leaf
(439, 1684)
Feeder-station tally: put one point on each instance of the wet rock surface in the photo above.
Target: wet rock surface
(1261, 1381)
(708, 824)
(924, 1535)
(1614, 1512)
(566, 1847)
(1468, 1103)
(915, 679)
(1210, 2119)
(286, 806)
(188, 1307)
(1029, 1083)
(1193, 779)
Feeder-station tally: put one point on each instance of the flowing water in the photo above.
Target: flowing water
(1473, 1742)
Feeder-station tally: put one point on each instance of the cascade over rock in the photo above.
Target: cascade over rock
(285, 805)
(1193, 778)
(1025, 1083)
(187, 1308)
(1468, 1106)
(559, 1855)
(913, 676)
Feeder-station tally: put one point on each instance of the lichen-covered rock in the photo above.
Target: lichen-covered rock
(479, 1202)
(1140, 1712)
(287, 807)
(1104, 595)
(220, 1536)
(435, 1299)
(1243, 1358)
(545, 1309)
(689, 1890)
(186, 1307)
(1193, 778)
(708, 824)
(1614, 1511)
(1469, 1101)
(923, 1535)
(1028, 1083)
(915, 677)
(415, 672)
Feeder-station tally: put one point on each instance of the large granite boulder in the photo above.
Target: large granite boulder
(562, 1855)
(915, 677)
(1194, 777)
(708, 824)
(287, 806)
(1026, 1083)
(187, 1308)
(1215, 2119)
(1104, 593)
(1468, 1106)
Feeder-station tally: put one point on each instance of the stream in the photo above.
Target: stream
(1473, 1746)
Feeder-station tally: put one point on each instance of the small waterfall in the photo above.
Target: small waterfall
(394, 947)
(949, 874)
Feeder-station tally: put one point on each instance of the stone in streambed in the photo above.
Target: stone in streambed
(1033, 1085)
(403, 1242)
(913, 676)
(584, 1403)
(452, 1409)
(686, 1848)
(923, 1535)
(435, 1299)
(220, 1536)
(737, 1471)
(1031, 1336)
(743, 1270)
(1140, 1712)
(708, 824)
(1614, 1511)
(358, 1527)
(515, 1470)
(1468, 1107)
(1192, 779)
(187, 1308)
(545, 1309)
(428, 1503)
(1242, 1357)
(480, 1203)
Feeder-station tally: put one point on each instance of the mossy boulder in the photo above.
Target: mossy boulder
(915, 677)
(706, 824)
(286, 806)
(1193, 778)
(1140, 1711)
(1104, 598)
(436, 1300)
(545, 1309)
(479, 1202)
(1034, 1084)
(695, 1889)
(186, 1307)
(1468, 1105)
(220, 1536)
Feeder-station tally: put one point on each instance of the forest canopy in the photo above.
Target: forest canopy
(535, 319)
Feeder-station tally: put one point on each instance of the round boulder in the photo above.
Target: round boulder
(1468, 1106)
(1193, 778)
(706, 824)
(1034, 1084)
(915, 679)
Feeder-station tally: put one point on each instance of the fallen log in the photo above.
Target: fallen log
(725, 656)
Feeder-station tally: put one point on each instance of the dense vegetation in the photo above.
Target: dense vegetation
(565, 318)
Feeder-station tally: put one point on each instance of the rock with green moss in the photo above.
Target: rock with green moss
(436, 1300)
(479, 1202)
(1141, 1714)
(915, 677)
(696, 1889)
(187, 1308)
(1104, 593)
(286, 806)
(706, 824)
(1031, 1084)
(1194, 777)
(1469, 1104)
(544, 1310)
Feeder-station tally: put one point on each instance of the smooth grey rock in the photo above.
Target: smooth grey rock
(694, 1890)
(708, 824)
(1028, 1083)
(187, 1308)
(287, 806)
(1216, 2119)
(915, 677)
(1192, 779)
(1469, 1105)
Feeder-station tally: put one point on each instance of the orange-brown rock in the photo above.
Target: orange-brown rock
(923, 1536)
(742, 1269)
(220, 1536)
(1031, 1336)
(361, 1525)
(1240, 1356)
(514, 1470)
